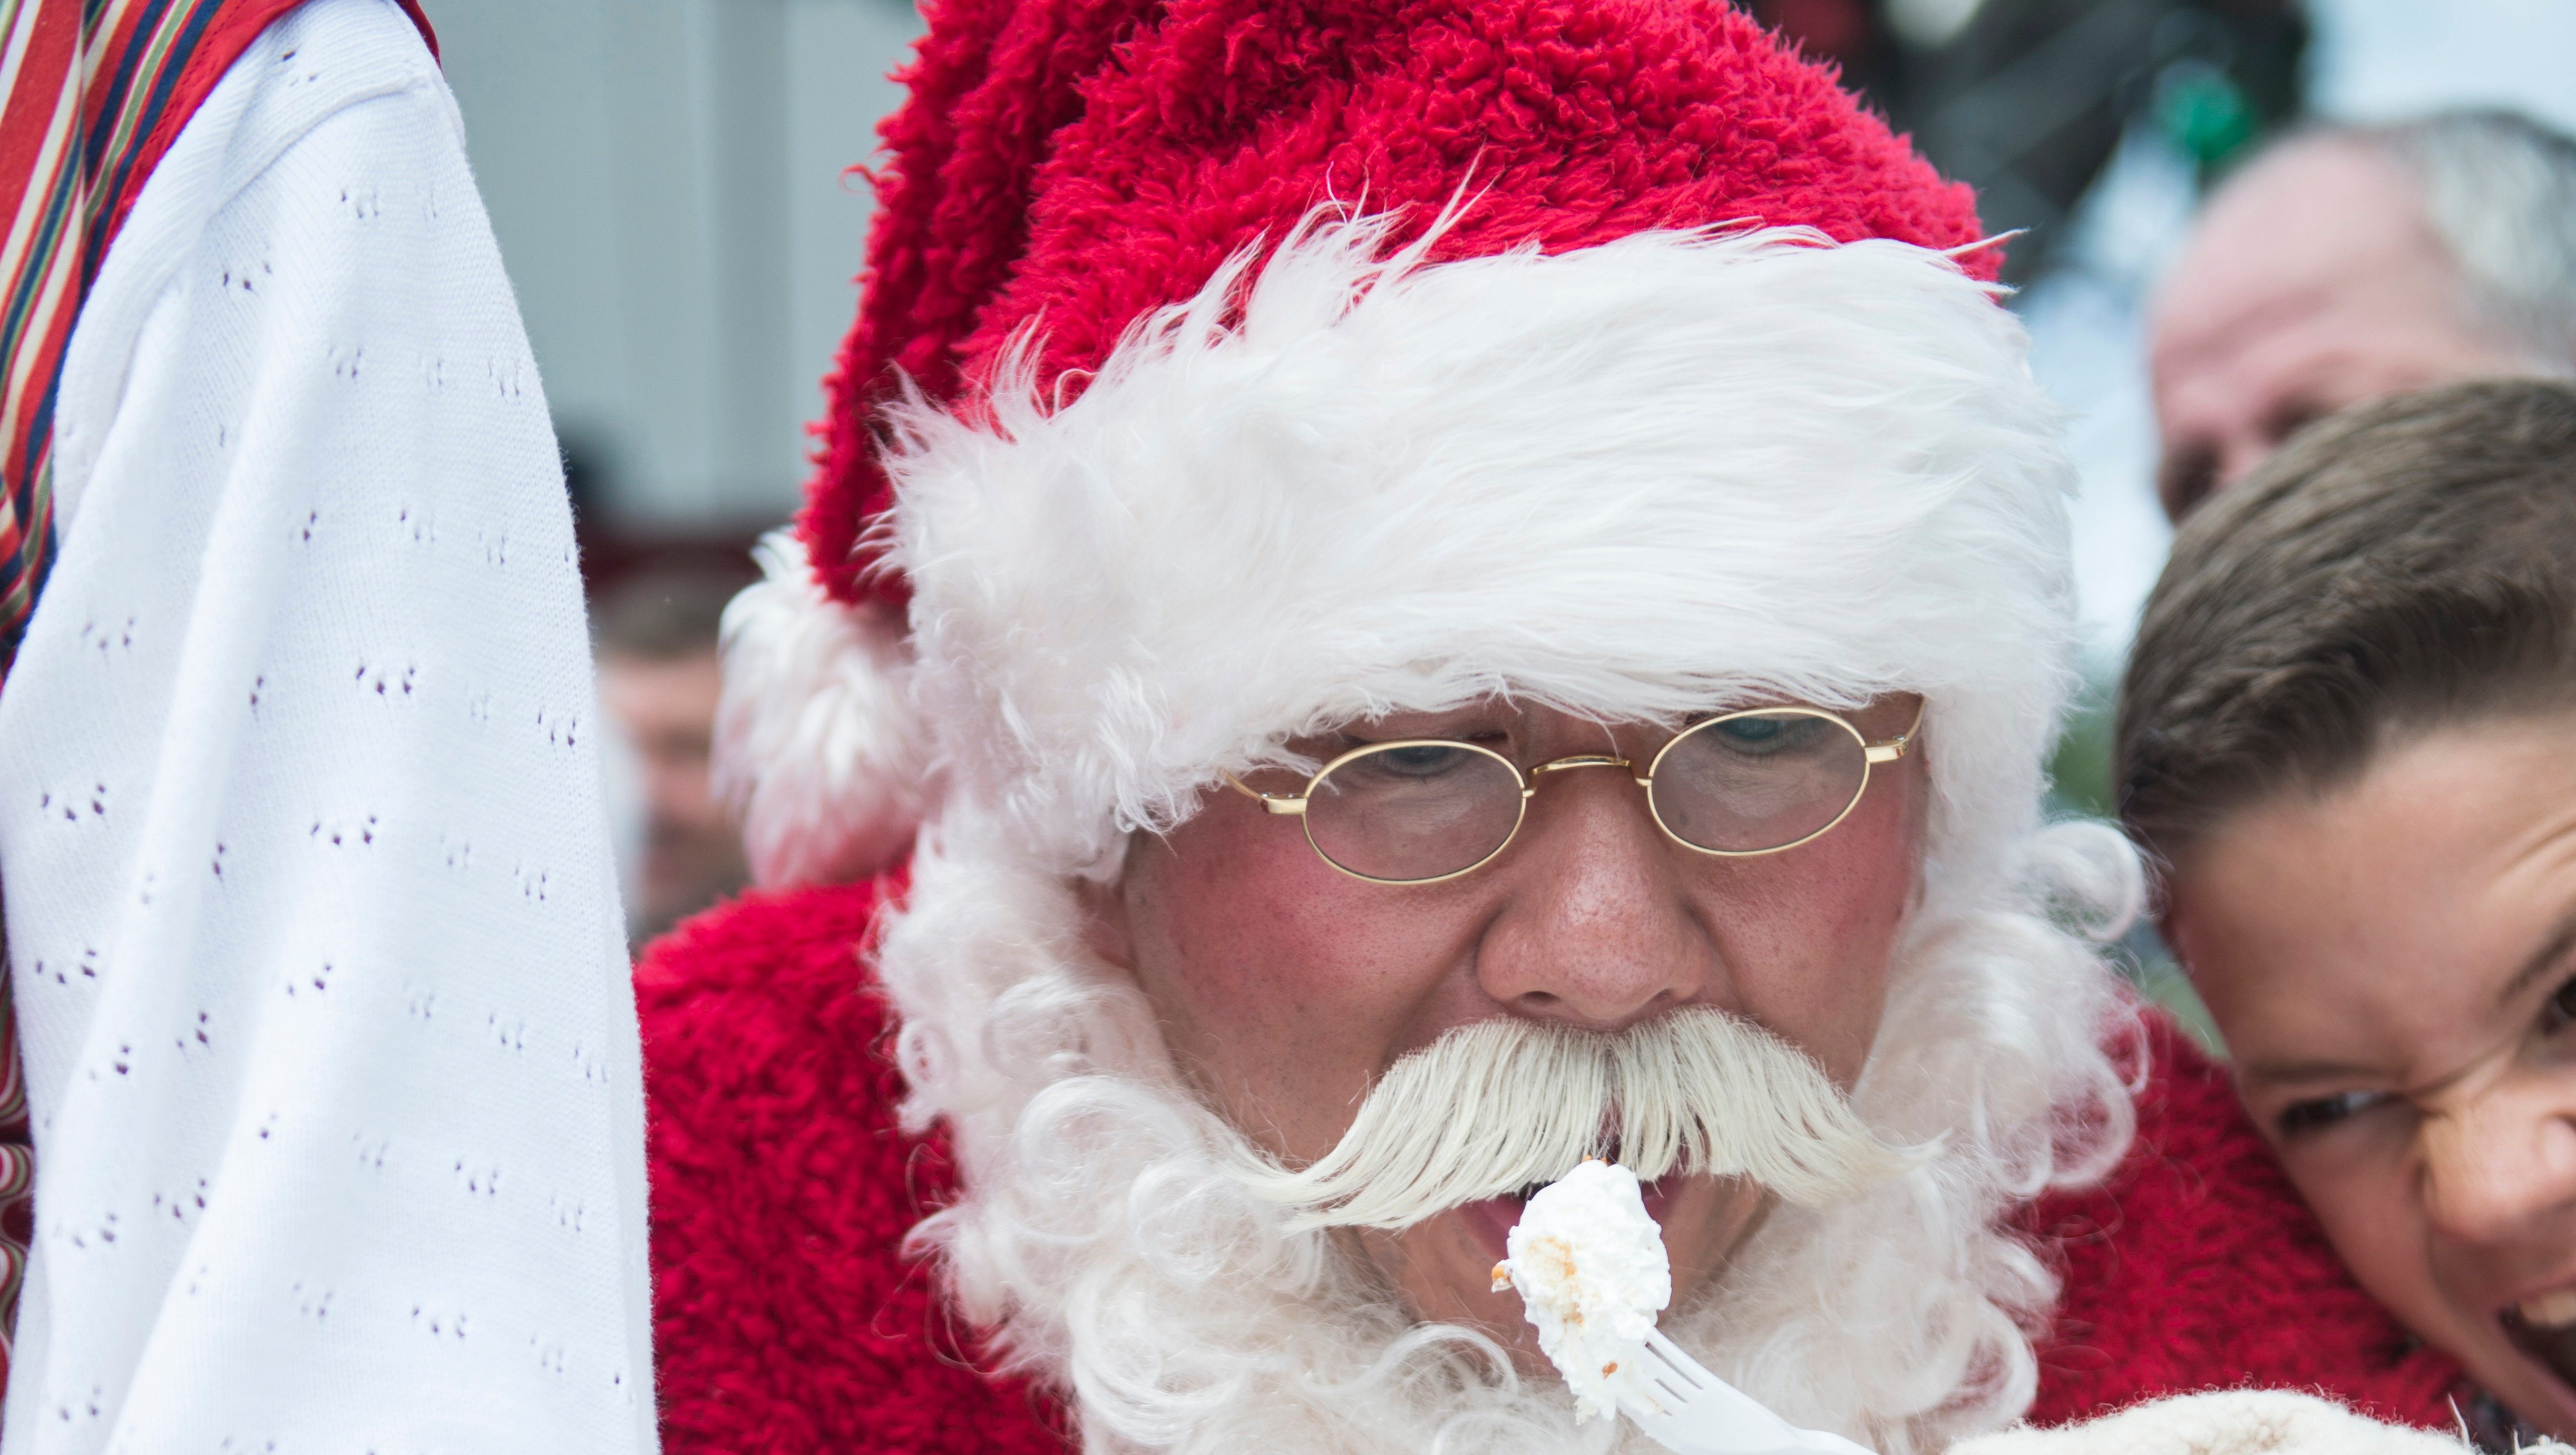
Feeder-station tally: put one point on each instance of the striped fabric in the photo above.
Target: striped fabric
(96, 92)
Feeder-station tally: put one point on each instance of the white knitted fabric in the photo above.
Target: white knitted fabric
(2234, 1422)
(331, 1053)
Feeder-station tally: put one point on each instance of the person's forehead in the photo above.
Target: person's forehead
(2317, 351)
(2382, 923)
(2292, 233)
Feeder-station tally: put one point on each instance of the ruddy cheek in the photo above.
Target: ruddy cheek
(1280, 983)
(1812, 963)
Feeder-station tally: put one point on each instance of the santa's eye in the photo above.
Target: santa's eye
(1413, 760)
(2306, 1118)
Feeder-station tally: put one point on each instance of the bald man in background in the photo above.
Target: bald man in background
(2352, 263)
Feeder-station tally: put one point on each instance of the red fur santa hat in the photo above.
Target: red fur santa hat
(1228, 368)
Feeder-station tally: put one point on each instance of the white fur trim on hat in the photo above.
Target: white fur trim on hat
(1635, 480)
(818, 749)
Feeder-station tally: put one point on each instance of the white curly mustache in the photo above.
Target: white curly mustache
(1497, 1106)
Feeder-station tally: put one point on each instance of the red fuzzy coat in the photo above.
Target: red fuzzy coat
(788, 1322)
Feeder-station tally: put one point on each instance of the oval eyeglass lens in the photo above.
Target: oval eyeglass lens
(1413, 811)
(1759, 780)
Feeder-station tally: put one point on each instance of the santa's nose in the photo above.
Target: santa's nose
(1597, 930)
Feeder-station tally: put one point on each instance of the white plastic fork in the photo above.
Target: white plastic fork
(1689, 1411)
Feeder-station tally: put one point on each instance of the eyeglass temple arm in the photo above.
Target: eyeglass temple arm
(1894, 748)
(1270, 803)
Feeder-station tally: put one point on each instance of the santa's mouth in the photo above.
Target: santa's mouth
(2544, 1327)
(1492, 1219)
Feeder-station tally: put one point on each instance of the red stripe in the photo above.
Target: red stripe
(39, 88)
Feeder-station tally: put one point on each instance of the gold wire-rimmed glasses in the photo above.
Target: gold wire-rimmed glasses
(1735, 786)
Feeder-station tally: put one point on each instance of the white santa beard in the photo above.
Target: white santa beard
(1104, 1241)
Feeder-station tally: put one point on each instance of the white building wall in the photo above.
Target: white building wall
(666, 177)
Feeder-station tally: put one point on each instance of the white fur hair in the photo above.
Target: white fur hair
(1108, 1240)
(1499, 1105)
(817, 748)
(1636, 481)
(1641, 479)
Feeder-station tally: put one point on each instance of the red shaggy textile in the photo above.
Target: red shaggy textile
(786, 1318)
(1083, 162)
(2196, 1266)
(789, 1323)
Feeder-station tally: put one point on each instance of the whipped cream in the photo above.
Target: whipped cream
(1592, 1274)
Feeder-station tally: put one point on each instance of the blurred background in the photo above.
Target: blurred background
(675, 189)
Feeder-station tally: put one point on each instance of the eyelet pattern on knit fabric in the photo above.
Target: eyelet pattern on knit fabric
(320, 966)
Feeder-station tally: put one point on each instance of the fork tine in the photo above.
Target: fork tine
(1691, 1411)
(1676, 1359)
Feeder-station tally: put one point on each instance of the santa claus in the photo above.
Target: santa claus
(1438, 590)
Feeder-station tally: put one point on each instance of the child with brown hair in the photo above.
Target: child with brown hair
(2349, 733)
